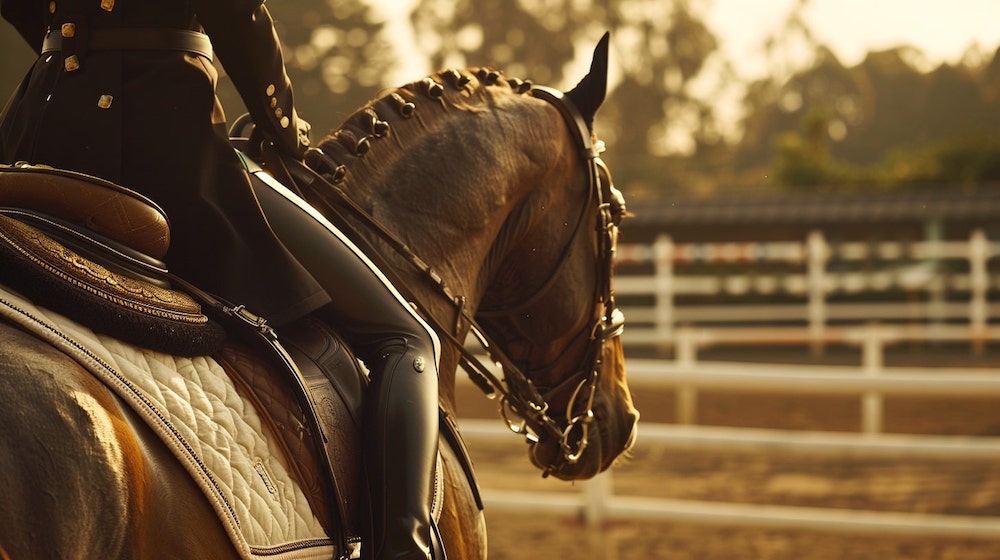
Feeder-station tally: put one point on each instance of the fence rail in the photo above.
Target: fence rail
(855, 522)
(597, 502)
(929, 282)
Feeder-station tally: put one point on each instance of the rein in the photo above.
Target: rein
(518, 394)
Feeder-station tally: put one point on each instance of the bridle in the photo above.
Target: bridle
(522, 399)
(519, 398)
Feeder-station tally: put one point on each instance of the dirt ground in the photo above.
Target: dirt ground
(966, 487)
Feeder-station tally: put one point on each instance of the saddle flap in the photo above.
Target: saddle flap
(326, 458)
(101, 206)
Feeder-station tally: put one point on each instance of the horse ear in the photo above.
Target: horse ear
(589, 93)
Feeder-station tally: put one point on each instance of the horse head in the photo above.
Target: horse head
(552, 308)
(498, 216)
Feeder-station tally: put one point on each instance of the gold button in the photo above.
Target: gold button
(274, 102)
(284, 122)
(107, 5)
(52, 7)
(270, 90)
(278, 112)
(68, 30)
(105, 101)
(71, 63)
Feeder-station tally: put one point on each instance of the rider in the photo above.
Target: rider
(126, 91)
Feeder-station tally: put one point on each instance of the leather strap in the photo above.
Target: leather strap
(254, 331)
(138, 40)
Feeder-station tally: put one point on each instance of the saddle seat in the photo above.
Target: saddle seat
(100, 206)
(91, 249)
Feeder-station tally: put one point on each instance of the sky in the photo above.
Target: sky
(943, 30)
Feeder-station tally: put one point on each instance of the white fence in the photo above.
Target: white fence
(815, 297)
(598, 503)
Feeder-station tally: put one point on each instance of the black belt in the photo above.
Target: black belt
(138, 40)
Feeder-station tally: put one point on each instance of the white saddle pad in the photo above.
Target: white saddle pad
(214, 432)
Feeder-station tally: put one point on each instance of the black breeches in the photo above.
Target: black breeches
(366, 309)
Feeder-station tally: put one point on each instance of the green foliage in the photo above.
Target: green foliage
(968, 158)
(884, 122)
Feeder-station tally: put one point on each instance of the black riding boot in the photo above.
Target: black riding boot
(399, 349)
(400, 454)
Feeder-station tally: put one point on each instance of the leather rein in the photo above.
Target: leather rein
(518, 395)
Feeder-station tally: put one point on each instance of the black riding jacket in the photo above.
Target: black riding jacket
(146, 116)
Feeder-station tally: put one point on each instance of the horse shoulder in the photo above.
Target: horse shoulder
(462, 523)
(80, 476)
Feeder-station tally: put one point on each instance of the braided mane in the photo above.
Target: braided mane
(367, 147)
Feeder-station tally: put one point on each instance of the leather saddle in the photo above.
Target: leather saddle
(90, 249)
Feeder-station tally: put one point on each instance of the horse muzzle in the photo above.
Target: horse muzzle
(607, 441)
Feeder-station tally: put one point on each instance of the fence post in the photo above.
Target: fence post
(872, 361)
(663, 259)
(979, 254)
(686, 354)
(817, 253)
(936, 296)
(598, 490)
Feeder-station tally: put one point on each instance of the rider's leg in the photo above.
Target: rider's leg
(401, 352)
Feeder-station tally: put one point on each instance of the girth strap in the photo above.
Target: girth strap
(138, 40)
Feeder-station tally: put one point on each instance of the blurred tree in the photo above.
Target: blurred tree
(659, 50)
(884, 122)
(17, 58)
(804, 156)
(524, 39)
(654, 113)
(774, 108)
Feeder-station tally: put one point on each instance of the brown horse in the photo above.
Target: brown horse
(505, 226)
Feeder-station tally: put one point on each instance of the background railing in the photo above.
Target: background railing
(597, 502)
(810, 285)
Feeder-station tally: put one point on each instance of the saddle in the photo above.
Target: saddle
(89, 249)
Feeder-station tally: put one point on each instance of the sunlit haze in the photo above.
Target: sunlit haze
(942, 30)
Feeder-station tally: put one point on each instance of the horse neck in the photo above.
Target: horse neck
(446, 182)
